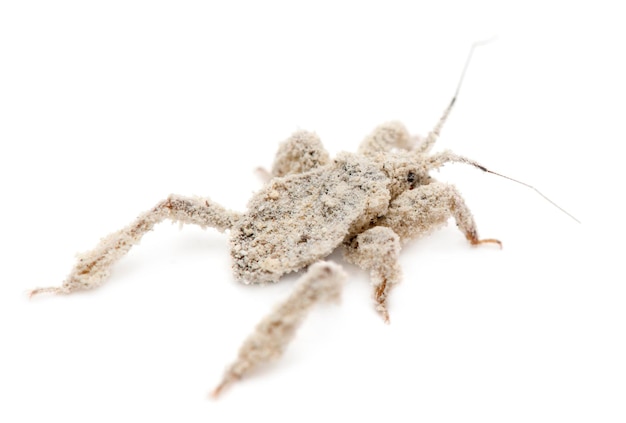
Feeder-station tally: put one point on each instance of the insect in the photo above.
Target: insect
(367, 203)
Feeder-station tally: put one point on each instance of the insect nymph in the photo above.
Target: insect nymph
(367, 203)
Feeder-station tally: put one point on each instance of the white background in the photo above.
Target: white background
(107, 107)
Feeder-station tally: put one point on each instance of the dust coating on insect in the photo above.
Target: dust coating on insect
(367, 203)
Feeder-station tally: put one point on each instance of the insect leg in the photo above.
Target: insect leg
(377, 250)
(419, 211)
(301, 152)
(94, 266)
(386, 137)
(321, 283)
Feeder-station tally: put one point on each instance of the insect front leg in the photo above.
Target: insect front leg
(321, 283)
(94, 266)
(419, 211)
(377, 250)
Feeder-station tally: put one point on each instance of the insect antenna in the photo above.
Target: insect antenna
(484, 169)
(433, 135)
(439, 159)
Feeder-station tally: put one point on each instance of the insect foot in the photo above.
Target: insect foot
(321, 283)
(472, 237)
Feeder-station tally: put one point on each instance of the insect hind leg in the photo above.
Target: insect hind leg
(322, 282)
(94, 266)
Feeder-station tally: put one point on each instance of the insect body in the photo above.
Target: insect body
(367, 203)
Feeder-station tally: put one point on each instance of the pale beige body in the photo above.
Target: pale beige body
(368, 203)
